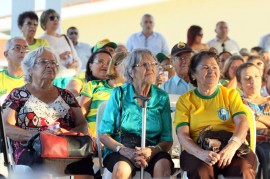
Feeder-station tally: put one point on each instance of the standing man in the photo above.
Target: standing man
(83, 50)
(265, 42)
(149, 39)
(181, 54)
(222, 42)
(12, 77)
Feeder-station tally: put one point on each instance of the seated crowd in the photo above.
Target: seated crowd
(55, 78)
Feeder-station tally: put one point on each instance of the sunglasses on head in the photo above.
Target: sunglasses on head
(73, 33)
(52, 18)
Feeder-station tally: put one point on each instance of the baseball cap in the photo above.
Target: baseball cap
(180, 48)
(103, 43)
(244, 52)
(161, 56)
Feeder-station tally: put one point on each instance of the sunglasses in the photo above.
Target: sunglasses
(73, 33)
(200, 35)
(52, 18)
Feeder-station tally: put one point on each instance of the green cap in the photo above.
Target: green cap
(103, 43)
(161, 56)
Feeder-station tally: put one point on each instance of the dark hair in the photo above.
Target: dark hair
(193, 31)
(27, 14)
(228, 63)
(254, 57)
(257, 49)
(88, 74)
(71, 28)
(195, 60)
(241, 68)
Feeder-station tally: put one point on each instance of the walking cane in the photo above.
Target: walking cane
(144, 106)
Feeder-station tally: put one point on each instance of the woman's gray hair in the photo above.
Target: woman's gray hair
(134, 58)
(30, 59)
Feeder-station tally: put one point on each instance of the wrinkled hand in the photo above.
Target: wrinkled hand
(227, 153)
(143, 156)
(130, 154)
(209, 157)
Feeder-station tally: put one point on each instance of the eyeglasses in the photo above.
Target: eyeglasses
(73, 33)
(182, 58)
(52, 18)
(146, 65)
(45, 63)
(30, 24)
(19, 48)
(102, 62)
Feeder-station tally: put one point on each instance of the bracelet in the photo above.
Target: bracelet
(158, 146)
(236, 139)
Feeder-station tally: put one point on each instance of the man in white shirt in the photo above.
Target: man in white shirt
(265, 42)
(149, 39)
(222, 42)
(83, 50)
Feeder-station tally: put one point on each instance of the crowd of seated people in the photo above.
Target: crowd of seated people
(213, 80)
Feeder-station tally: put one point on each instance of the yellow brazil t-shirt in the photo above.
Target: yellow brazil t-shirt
(38, 43)
(8, 82)
(198, 111)
(98, 91)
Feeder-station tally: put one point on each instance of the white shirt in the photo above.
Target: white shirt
(265, 42)
(156, 43)
(84, 52)
(264, 91)
(229, 45)
(60, 45)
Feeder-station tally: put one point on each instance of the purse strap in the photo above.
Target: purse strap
(67, 40)
(120, 109)
(31, 141)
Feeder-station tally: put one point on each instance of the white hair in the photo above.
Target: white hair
(30, 59)
(11, 41)
(135, 57)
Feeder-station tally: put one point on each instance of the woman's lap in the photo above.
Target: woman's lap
(113, 158)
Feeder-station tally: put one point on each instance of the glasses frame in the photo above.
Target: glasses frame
(19, 48)
(146, 65)
(46, 62)
(52, 17)
(102, 62)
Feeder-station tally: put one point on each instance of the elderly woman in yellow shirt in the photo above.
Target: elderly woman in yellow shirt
(222, 108)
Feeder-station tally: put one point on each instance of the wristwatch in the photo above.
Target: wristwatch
(118, 148)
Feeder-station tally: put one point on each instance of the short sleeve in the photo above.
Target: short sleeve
(69, 98)
(87, 90)
(236, 103)
(111, 113)
(181, 117)
(166, 134)
(14, 99)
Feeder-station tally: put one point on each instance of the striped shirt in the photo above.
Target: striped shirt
(98, 91)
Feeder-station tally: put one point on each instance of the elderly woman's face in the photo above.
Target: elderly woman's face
(45, 67)
(29, 27)
(145, 71)
(100, 65)
(207, 72)
(52, 22)
(251, 80)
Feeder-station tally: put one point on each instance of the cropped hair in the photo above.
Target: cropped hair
(11, 41)
(30, 60)
(196, 60)
(135, 57)
(27, 14)
(45, 17)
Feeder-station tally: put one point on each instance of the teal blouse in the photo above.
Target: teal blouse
(158, 116)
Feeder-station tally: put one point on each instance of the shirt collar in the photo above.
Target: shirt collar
(153, 34)
(178, 80)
